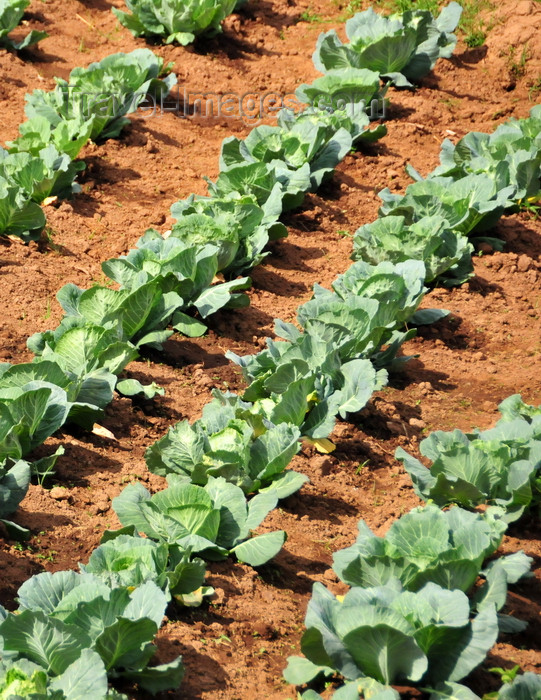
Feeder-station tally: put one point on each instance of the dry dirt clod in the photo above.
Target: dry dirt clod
(323, 465)
(524, 263)
(59, 494)
(417, 423)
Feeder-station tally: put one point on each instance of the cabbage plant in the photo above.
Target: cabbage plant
(48, 173)
(177, 21)
(445, 253)
(11, 13)
(444, 547)
(426, 544)
(85, 677)
(19, 215)
(393, 636)
(470, 205)
(68, 136)
(128, 560)
(317, 137)
(498, 467)
(510, 156)
(341, 87)
(104, 92)
(233, 440)
(271, 184)
(235, 223)
(169, 276)
(213, 521)
(401, 48)
(65, 617)
(29, 414)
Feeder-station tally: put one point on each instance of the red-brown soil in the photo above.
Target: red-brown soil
(489, 347)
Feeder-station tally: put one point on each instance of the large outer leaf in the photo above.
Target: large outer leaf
(158, 678)
(133, 507)
(13, 487)
(463, 649)
(271, 453)
(380, 648)
(147, 601)
(125, 643)
(46, 591)
(84, 679)
(258, 550)
(44, 640)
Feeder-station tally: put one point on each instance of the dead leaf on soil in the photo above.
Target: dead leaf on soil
(102, 432)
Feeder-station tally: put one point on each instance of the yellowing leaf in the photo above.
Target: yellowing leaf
(321, 444)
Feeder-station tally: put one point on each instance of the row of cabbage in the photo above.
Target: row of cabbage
(423, 601)
(297, 383)
(171, 20)
(217, 527)
(479, 179)
(41, 163)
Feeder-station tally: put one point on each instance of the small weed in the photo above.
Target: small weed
(47, 557)
(472, 24)
(47, 314)
(533, 89)
(517, 65)
(344, 233)
(311, 17)
(450, 103)
(475, 38)
(507, 675)
(361, 466)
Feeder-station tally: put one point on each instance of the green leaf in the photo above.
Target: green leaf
(452, 691)
(13, 487)
(155, 679)
(124, 642)
(188, 326)
(258, 550)
(300, 670)
(84, 679)
(44, 640)
(132, 387)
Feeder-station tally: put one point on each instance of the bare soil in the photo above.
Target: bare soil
(236, 646)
